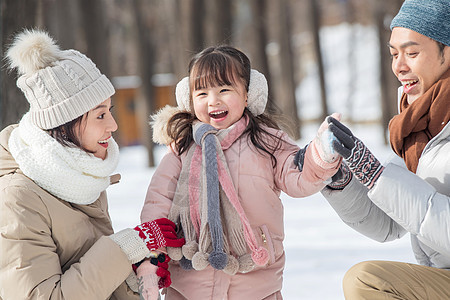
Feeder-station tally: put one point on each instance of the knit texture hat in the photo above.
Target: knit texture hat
(60, 85)
(430, 18)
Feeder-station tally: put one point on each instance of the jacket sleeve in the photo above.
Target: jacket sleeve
(415, 205)
(311, 179)
(357, 210)
(30, 265)
(162, 188)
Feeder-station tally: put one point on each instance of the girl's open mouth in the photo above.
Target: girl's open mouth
(218, 114)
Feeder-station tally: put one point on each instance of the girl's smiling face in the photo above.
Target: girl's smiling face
(96, 128)
(220, 106)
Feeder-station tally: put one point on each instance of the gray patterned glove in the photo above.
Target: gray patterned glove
(363, 164)
(341, 179)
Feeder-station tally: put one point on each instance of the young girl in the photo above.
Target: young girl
(56, 237)
(221, 181)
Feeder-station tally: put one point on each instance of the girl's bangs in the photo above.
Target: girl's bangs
(213, 70)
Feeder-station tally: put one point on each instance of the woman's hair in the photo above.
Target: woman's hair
(216, 66)
(65, 134)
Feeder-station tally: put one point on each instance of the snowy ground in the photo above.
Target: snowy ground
(319, 247)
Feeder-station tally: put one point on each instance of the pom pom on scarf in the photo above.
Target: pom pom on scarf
(190, 249)
(200, 261)
(174, 253)
(232, 266)
(218, 260)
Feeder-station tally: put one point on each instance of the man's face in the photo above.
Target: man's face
(416, 61)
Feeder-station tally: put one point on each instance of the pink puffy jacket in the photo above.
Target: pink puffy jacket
(258, 185)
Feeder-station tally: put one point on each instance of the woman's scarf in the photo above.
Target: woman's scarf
(420, 121)
(207, 207)
(70, 174)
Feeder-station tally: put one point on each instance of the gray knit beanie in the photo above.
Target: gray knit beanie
(60, 85)
(430, 18)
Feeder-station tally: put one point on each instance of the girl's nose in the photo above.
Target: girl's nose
(213, 100)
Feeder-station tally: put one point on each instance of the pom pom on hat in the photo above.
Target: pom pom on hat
(31, 51)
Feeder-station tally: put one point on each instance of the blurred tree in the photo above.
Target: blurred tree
(383, 15)
(192, 22)
(96, 33)
(146, 52)
(15, 15)
(315, 16)
(178, 56)
(61, 19)
(219, 17)
(258, 35)
(286, 92)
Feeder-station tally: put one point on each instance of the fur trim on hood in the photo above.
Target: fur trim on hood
(159, 123)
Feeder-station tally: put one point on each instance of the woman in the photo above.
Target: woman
(56, 238)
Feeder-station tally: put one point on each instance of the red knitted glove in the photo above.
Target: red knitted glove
(163, 273)
(159, 233)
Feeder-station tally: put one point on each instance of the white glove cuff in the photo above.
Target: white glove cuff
(130, 243)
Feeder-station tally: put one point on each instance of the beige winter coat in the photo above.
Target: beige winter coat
(52, 249)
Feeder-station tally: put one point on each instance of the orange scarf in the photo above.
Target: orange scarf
(419, 122)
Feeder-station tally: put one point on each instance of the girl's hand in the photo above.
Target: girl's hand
(324, 141)
(147, 281)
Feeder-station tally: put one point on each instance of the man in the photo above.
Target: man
(411, 194)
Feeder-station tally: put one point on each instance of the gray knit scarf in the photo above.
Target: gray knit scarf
(208, 210)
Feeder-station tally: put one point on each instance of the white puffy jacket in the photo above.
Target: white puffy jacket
(402, 201)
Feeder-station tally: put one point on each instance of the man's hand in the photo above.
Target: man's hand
(363, 164)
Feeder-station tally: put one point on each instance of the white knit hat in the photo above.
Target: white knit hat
(60, 85)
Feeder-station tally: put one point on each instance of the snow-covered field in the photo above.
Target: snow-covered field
(319, 247)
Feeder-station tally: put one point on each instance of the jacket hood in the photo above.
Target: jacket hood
(159, 124)
(7, 163)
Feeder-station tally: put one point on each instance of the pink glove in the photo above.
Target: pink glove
(159, 233)
(323, 141)
(147, 281)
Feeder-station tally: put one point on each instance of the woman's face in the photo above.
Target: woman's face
(96, 128)
(220, 106)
